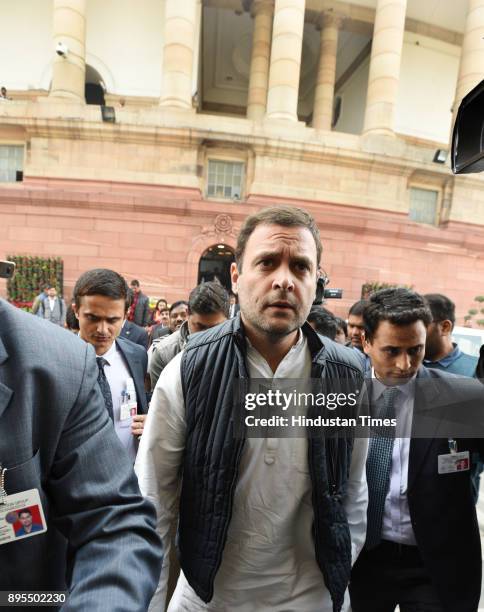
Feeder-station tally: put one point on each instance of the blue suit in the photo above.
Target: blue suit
(56, 436)
(135, 333)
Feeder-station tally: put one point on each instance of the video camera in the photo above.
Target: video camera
(7, 269)
(468, 135)
(325, 294)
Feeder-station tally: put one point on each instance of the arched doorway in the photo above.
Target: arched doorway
(215, 265)
(95, 88)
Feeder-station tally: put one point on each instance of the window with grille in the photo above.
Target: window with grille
(424, 205)
(225, 179)
(11, 163)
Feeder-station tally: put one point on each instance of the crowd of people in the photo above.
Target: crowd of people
(215, 520)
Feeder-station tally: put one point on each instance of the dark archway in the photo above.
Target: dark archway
(94, 89)
(215, 265)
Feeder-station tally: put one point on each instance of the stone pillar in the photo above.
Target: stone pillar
(285, 67)
(386, 52)
(262, 12)
(325, 82)
(69, 71)
(176, 80)
(471, 69)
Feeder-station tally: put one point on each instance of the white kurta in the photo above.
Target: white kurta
(269, 560)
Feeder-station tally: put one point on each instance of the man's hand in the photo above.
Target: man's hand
(137, 424)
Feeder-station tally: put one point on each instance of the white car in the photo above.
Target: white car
(469, 339)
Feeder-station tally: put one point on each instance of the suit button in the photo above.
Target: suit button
(269, 459)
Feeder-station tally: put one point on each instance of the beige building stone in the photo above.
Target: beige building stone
(262, 11)
(385, 60)
(69, 28)
(287, 35)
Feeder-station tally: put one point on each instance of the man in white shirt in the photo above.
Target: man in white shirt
(282, 512)
(53, 308)
(100, 298)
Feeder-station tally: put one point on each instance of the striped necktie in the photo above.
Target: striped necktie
(378, 468)
(104, 385)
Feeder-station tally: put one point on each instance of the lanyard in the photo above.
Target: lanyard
(452, 446)
(3, 493)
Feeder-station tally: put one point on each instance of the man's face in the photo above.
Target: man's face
(100, 320)
(200, 322)
(135, 288)
(277, 284)
(52, 292)
(396, 351)
(355, 331)
(165, 318)
(177, 316)
(26, 519)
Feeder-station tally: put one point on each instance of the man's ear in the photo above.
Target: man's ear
(446, 327)
(366, 343)
(234, 276)
(75, 311)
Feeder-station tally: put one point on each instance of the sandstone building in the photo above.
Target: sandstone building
(140, 134)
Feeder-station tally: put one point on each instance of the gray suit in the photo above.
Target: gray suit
(56, 436)
(55, 315)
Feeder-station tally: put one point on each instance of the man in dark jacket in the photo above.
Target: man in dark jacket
(208, 305)
(264, 523)
(139, 308)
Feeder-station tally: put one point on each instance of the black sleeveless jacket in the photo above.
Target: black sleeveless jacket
(212, 362)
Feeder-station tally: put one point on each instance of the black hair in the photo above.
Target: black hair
(100, 281)
(24, 511)
(176, 304)
(441, 307)
(341, 324)
(72, 321)
(324, 322)
(209, 298)
(358, 308)
(134, 283)
(398, 306)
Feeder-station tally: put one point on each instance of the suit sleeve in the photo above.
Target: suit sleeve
(114, 555)
(146, 313)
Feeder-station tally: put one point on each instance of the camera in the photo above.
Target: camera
(324, 294)
(61, 49)
(7, 268)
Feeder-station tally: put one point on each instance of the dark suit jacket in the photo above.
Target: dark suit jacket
(159, 332)
(142, 312)
(56, 436)
(135, 333)
(441, 506)
(137, 362)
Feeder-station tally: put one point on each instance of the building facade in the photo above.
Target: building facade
(139, 135)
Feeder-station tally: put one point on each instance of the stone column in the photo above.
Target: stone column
(262, 12)
(386, 52)
(285, 67)
(324, 94)
(176, 80)
(69, 71)
(471, 69)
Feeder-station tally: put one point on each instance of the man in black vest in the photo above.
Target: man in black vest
(264, 523)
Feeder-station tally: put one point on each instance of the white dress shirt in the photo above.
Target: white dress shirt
(269, 559)
(397, 525)
(118, 374)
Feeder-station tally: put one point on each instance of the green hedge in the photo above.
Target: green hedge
(30, 274)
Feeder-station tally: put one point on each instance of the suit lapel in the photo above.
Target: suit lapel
(134, 367)
(5, 392)
(426, 394)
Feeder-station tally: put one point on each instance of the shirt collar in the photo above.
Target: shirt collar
(109, 355)
(449, 359)
(377, 387)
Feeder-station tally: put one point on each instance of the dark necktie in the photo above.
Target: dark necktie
(104, 385)
(378, 468)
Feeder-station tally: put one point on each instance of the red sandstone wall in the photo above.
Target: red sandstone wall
(158, 234)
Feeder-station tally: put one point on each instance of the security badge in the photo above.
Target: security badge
(21, 514)
(454, 461)
(128, 406)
